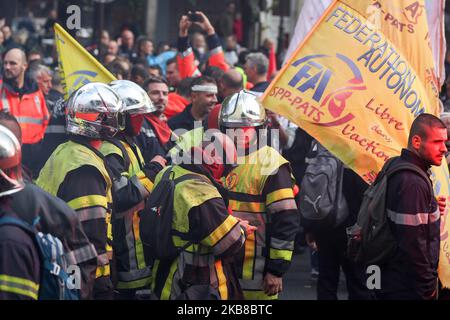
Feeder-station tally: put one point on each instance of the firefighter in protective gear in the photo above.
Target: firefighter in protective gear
(50, 214)
(132, 182)
(19, 258)
(76, 172)
(261, 188)
(201, 218)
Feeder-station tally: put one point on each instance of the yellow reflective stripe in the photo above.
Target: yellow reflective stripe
(222, 280)
(145, 181)
(154, 270)
(20, 291)
(279, 195)
(258, 295)
(138, 243)
(220, 231)
(88, 201)
(134, 284)
(165, 294)
(257, 207)
(249, 257)
(18, 285)
(280, 254)
(102, 271)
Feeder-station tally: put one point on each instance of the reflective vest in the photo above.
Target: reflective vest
(68, 157)
(132, 271)
(30, 111)
(246, 183)
(187, 195)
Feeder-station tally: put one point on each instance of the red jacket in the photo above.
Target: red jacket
(28, 107)
(175, 105)
(185, 58)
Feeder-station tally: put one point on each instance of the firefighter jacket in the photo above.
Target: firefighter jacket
(261, 191)
(131, 185)
(200, 217)
(60, 220)
(77, 174)
(414, 218)
(19, 262)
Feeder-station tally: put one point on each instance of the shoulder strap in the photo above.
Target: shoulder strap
(18, 223)
(119, 145)
(410, 167)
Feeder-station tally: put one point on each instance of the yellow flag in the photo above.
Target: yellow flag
(77, 66)
(353, 88)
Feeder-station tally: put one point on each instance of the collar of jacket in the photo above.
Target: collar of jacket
(29, 86)
(415, 159)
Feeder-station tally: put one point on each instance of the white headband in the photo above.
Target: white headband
(204, 88)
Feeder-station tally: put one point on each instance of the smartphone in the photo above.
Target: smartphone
(194, 17)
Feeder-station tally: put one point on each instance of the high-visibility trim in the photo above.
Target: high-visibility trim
(5, 102)
(226, 242)
(88, 201)
(55, 128)
(30, 120)
(215, 51)
(103, 259)
(435, 216)
(282, 205)
(222, 280)
(91, 213)
(277, 254)
(18, 285)
(133, 275)
(220, 231)
(82, 254)
(279, 195)
(281, 244)
(102, 271)
(143, 190)
(141, 283)
(145, 181)
(258, 295)
(249, 261)
(414, 219)
(256, 207)
(165, 294)
(138, 243)
(187, 52)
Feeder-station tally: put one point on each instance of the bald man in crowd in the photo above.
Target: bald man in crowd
(21, 97)
(230, 83)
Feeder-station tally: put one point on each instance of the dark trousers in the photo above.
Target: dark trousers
(332, 256)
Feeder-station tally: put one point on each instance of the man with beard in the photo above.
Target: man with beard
(156, 138)
(203, 97)
(21, 97)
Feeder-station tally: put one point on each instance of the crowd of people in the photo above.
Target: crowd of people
(84, 168)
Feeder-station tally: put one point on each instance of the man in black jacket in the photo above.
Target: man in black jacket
(414, 216)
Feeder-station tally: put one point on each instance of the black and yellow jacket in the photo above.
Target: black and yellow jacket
(200, 217)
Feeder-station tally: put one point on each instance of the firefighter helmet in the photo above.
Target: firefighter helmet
(93, 111)
(10, 163)
(135, 99)
(242, 109)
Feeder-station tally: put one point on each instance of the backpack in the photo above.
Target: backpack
(156, 220)
(322, 204)
(371, 240)
(55, 282)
